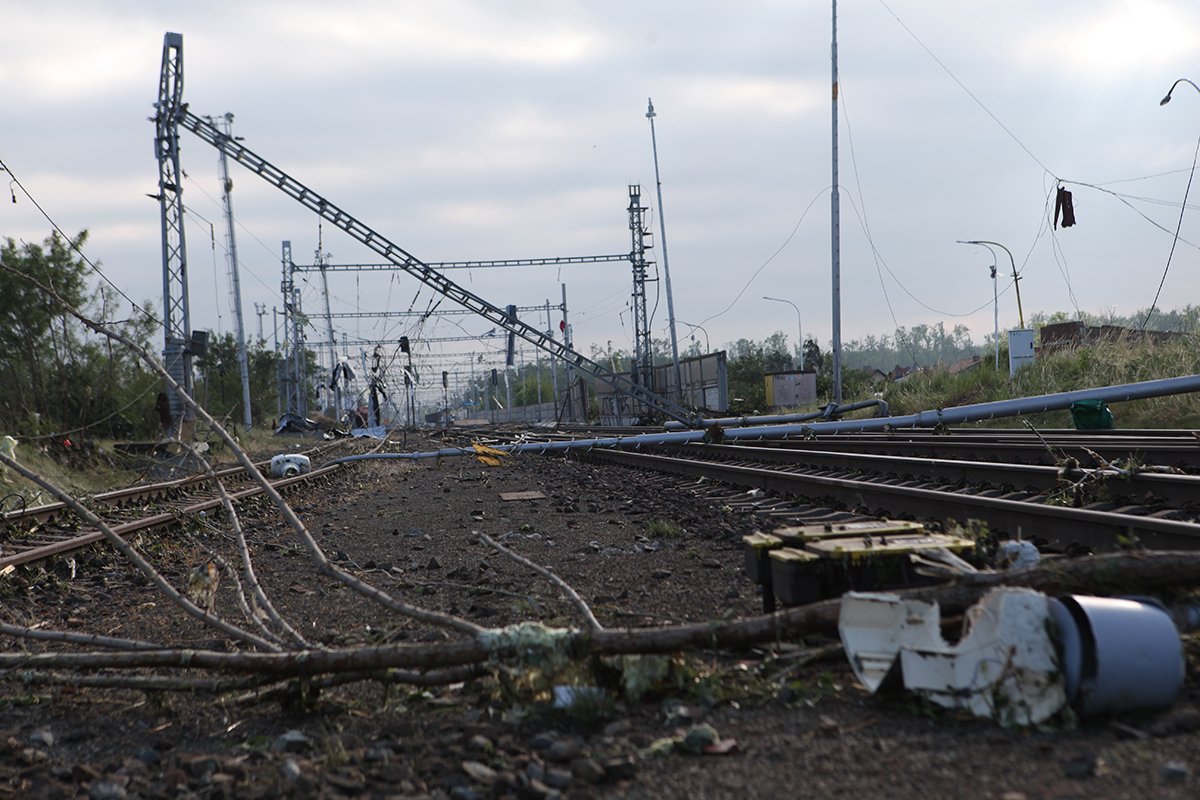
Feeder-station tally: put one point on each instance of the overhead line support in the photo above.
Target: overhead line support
(423, 272)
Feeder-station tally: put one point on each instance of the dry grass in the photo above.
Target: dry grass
(1106, 364)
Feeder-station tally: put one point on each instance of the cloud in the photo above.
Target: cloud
(1105, 41)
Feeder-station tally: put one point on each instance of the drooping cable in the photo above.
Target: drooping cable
(963, 86)
(71, 243)
(1175, 238)
(866, 226)
(770, 258)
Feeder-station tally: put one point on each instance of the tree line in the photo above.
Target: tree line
(60, 382)
(63, 385)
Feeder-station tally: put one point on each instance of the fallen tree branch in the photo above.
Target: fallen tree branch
(581, 606)
(323, 564)
(1115, 572)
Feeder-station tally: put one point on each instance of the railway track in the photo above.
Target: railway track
(1175, 448)
(41, 532)
(1061, 509)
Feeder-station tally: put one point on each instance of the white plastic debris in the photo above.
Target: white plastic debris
(1017, 554)
(1023, 656)
(1004, 668)
(289, 465)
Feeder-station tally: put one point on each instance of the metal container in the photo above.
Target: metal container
(1118, 654)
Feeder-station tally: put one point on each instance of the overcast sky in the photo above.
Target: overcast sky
(463, 129)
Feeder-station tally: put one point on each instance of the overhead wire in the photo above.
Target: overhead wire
(71, 243)
(963, 86)
(865, 224)
(769, 259)
(1175, 239)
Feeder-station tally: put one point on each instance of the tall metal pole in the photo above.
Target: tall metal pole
(662, 233)
(281, 389)
(835, 234)
(235, 283)
(553, 360)
(293, 318)
(799, 325)
(333, 356)
(566, 332)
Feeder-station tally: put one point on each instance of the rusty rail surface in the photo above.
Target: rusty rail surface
(42, 544)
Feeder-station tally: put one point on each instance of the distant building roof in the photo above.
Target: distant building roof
(1064, 335)
(964, 364)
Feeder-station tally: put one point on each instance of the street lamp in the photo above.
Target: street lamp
(799, 326)
(995, 302)
(1016, 278)
(1167, 99)
(692, 333)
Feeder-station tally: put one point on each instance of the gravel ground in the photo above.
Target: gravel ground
(641, 549)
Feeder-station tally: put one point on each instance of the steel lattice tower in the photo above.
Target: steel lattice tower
(294, 370)
(177, 325)
(643, 351)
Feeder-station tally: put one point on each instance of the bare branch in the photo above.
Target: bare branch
(143, 566)
(324, 566)
(580, 605)
(89, 639)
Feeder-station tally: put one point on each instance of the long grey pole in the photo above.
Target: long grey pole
(924, 419)
(235, 289)
(835, 234)
(662, 234)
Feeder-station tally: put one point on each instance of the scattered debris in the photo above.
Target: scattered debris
(1017, 554)
(289, 465)
(527, 495)
(488, 455)
(1023, 656)
(571, 696)
(699, 739)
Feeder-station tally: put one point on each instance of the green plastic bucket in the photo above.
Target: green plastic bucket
(1091, 415)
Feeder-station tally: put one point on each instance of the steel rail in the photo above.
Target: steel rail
(1176, 490)
(82, 540)
(1184, 454)
(48, 511)
(1057, 526)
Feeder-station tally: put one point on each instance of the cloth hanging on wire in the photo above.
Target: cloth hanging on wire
(1062, 203)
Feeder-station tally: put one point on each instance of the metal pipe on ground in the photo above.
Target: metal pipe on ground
(830, 410)
(977, 412)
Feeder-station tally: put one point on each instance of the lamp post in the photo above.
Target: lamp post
(1016, 278)
(1167, 99)
(799, 325)
(995, 302)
